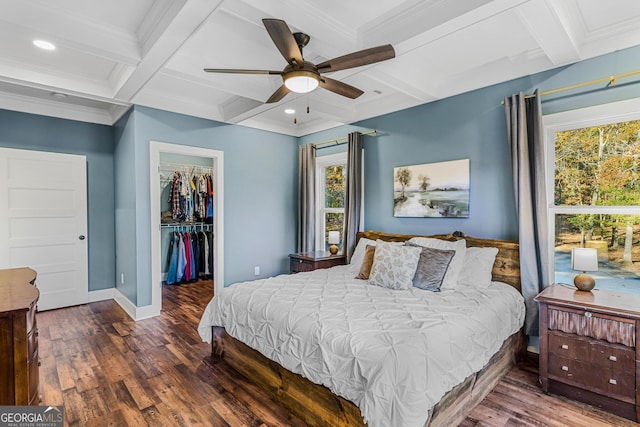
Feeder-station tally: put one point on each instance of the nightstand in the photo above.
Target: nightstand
(309, 261)
(589, 347)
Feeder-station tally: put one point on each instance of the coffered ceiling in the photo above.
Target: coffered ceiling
(111, 54)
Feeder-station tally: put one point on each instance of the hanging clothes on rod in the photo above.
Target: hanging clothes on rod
(190, 256)
(191, 197)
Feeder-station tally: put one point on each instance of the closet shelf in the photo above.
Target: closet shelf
(185, 224)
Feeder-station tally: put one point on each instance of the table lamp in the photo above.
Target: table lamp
(333, 240)
(584, 259)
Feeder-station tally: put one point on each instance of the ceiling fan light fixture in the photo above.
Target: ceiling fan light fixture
(301, 81)
(45, 45)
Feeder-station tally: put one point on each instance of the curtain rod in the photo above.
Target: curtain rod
(339, 141)
(610, 79)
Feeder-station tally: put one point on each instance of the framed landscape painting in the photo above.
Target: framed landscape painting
(432, 190)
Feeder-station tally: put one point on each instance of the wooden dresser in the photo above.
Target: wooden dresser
(589, 347)
(18, 337)
(309, 261)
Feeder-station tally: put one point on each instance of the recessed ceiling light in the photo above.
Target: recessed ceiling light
(42, 44)
(290, 111)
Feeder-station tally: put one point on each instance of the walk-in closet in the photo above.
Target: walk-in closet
(187, 219)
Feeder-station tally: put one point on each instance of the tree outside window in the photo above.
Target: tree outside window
(331, 178)
(596, 196)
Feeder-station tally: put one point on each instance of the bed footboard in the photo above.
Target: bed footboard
(217, 341)
(319, 407)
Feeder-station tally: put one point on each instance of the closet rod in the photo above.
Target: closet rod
(185, 224)
(339, 141)
(611, 80)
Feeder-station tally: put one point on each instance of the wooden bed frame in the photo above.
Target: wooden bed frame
(318, 406)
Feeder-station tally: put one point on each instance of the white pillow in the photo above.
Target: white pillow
(478, 263)
(358, 252)
(455, 266)
(394, 265)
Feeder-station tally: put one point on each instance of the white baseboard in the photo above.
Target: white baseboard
(146, 312)
(136, 313)
(127, 306)
(101, 295)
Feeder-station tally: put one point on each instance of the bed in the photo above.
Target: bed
(340, 351)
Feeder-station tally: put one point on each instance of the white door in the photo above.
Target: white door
(43, 222)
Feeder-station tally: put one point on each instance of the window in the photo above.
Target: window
(594, 192)
(331, 182)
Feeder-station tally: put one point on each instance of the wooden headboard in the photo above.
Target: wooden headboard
(506, 269)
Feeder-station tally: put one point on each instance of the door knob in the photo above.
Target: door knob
(81, 237)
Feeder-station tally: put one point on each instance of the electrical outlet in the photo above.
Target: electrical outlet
(256, 270)
(122, 278)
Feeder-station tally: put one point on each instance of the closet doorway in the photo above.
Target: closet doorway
(204, 161)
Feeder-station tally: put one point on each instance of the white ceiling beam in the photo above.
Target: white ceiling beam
(556, 37)
(191, 16)
(31, 105)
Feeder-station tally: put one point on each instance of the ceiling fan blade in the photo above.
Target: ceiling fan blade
(240, 71)
(358, 59)
(283, 39)
(340, 88)
(278, 94)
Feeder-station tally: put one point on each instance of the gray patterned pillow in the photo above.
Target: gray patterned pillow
(455, 266)
(394, 265)
(432, 267)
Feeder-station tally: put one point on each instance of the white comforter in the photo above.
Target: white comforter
(393, 353)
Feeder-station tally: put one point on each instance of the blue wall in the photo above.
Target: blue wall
(261, 170)
(471, 125)
(125, 207)
(40, 133)
(260, 187)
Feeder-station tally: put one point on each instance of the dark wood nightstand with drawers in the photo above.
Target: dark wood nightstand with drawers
(589, 347)
(19, 359)
(309, 261)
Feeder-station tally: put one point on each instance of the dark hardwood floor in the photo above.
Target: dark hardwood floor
(110, 371)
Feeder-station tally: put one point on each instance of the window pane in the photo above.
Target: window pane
(335, 186)
(598, 165)
(332, 222)
(616, 239)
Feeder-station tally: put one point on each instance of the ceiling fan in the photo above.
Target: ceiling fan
(303, 76)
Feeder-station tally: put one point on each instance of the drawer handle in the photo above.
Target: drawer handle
(587, 314)
(612, 381)
(613, 358)
(565, 347)
(565, 368)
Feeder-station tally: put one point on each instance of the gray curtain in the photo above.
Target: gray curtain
(306, 199)
(353, 196)
(526, 146)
